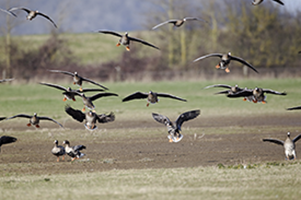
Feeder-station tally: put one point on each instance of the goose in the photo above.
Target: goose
(6, 80)
(257, 2)
(32, 14)
(68, 92)
(34, 119)
(231, 89)
(152, 97)
(74, 152)
(6, 140)
(177, 22)
(174, 129)
(78, 80)
(257, 94)
(225, 61)
(288, 145)
(8, 12)
(88, 101)
(58, 151)
(125, 39)
(90, 117)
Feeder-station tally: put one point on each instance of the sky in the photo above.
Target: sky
(79, 16)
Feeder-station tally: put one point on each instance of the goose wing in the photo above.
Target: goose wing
(161, 119)
(186, 116)
(7, 139)
(166, 22)
(47, 17)
(19, 8)
(280, 2)
(209, 55)
(75, 114)
(243, 62)
(55, 86)
(297, 138)
(280, 142)
(8, 12)
(63, 72)
(2, 118)
(243, 93)
(50, 119)
(102, 94)
(218, 85)
(90, 90)
(103, 118)
(170, 96)
(93, 82)
(273, 92)
(20, 115)
(142, 41)
(294, 108)
(78, 147)
(110, 32)
(136, 95)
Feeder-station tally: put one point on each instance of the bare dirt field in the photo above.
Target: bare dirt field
(207, 142)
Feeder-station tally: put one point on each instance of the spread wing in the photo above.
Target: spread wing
(8, 12)
(110, 32)
(280, 142)
(103, 94)
(294, 108)
(103, 118)
(20, 115)
(273, 92)
(243, 62)
(136, 95)
(47, 17)
(166, 22)
(90, 90)
(7, 139)
(75, 114)
(170, 96)
(50, 119)
(162, 119)
(243, 93)
(218, 85)
(297, 138)
(93, 82)
(209, 55)
(55, 86)
(280, 2)
(2, 118)
(19, 8)
(223, 92)
(186, 116)
(78, 147)
(63, 72)
(142, 41)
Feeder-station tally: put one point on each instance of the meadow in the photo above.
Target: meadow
(220, 157)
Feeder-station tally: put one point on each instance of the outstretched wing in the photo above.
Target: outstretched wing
(243, 93)
(50, 119)
(162, 119)
(20, 115)
(75, 114)
(136, 95)
(273, 92)
(224, 92)
(47, 17)
(209, 55)
(297, 138)
(218, 85)
(8, 12)
(54, 86)
(78, 147)
(186, 116)
(2, 118)
(19, 8)
(7, 139)
(93, 82)
(63, 72)
(294, 108)
(110, 32)
(103, 94)
(243, 62)
(280, 142)
(90, 90)
(143, 42)
(170, 96)
(166, 22)
(103, 118)
(280, 2)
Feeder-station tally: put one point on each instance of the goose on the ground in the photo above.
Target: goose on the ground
(74, 151)
(58, 151)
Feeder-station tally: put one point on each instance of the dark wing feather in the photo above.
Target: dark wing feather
(142, 41)
(63, 72)
(47, 17)
(103, 94)
(219, 85)
(136, 95)
(19, 8)
(280, 2)
(20, 115)
(2, 118)
(280, 142)
(243, 93)
(273, 92)
(161, 119)
(90, 90)
(103, 118)
(50, 119)
(209, 55)
(75, 114)
(110, 32)
(297, 138)
(243, 62)
(8, 12)
(170, 96)
(7, 140)
(166, 22)
(78, 147)
(90, 81)
(55, 86)
(186, 116)
(223, 92)
(294, 108)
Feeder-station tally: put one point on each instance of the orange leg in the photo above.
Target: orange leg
(170, 140)
(227, 70)
(118, 44)
(147, 104)
(254, 101)
(28, 124)
(264, 102)
(73, 99)
(127, 48)
(63, 157)
(37, 126)
(64, 99)
(245, 99)
(84, 109)
(58, 159)
(81, 89)
(74, 83)
(217, 66)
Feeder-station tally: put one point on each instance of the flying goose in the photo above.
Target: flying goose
(32, 14)
(68, 92)
(225, 61)
(34, 119)
(288, 145)
(257, 2)
(78, 80)
(177, 22)
(174, 129)
(88, 101)
(231, 89)
(258, 94)
(8, 12)
(152, 97)
(125, 39)
(74, 152)
(6, 140)
(58, 151)
(90, 117)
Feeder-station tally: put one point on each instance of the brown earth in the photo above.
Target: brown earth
(219, 140)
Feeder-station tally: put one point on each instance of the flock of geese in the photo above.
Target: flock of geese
(174, 128)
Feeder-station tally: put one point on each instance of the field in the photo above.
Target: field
(221, 156)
